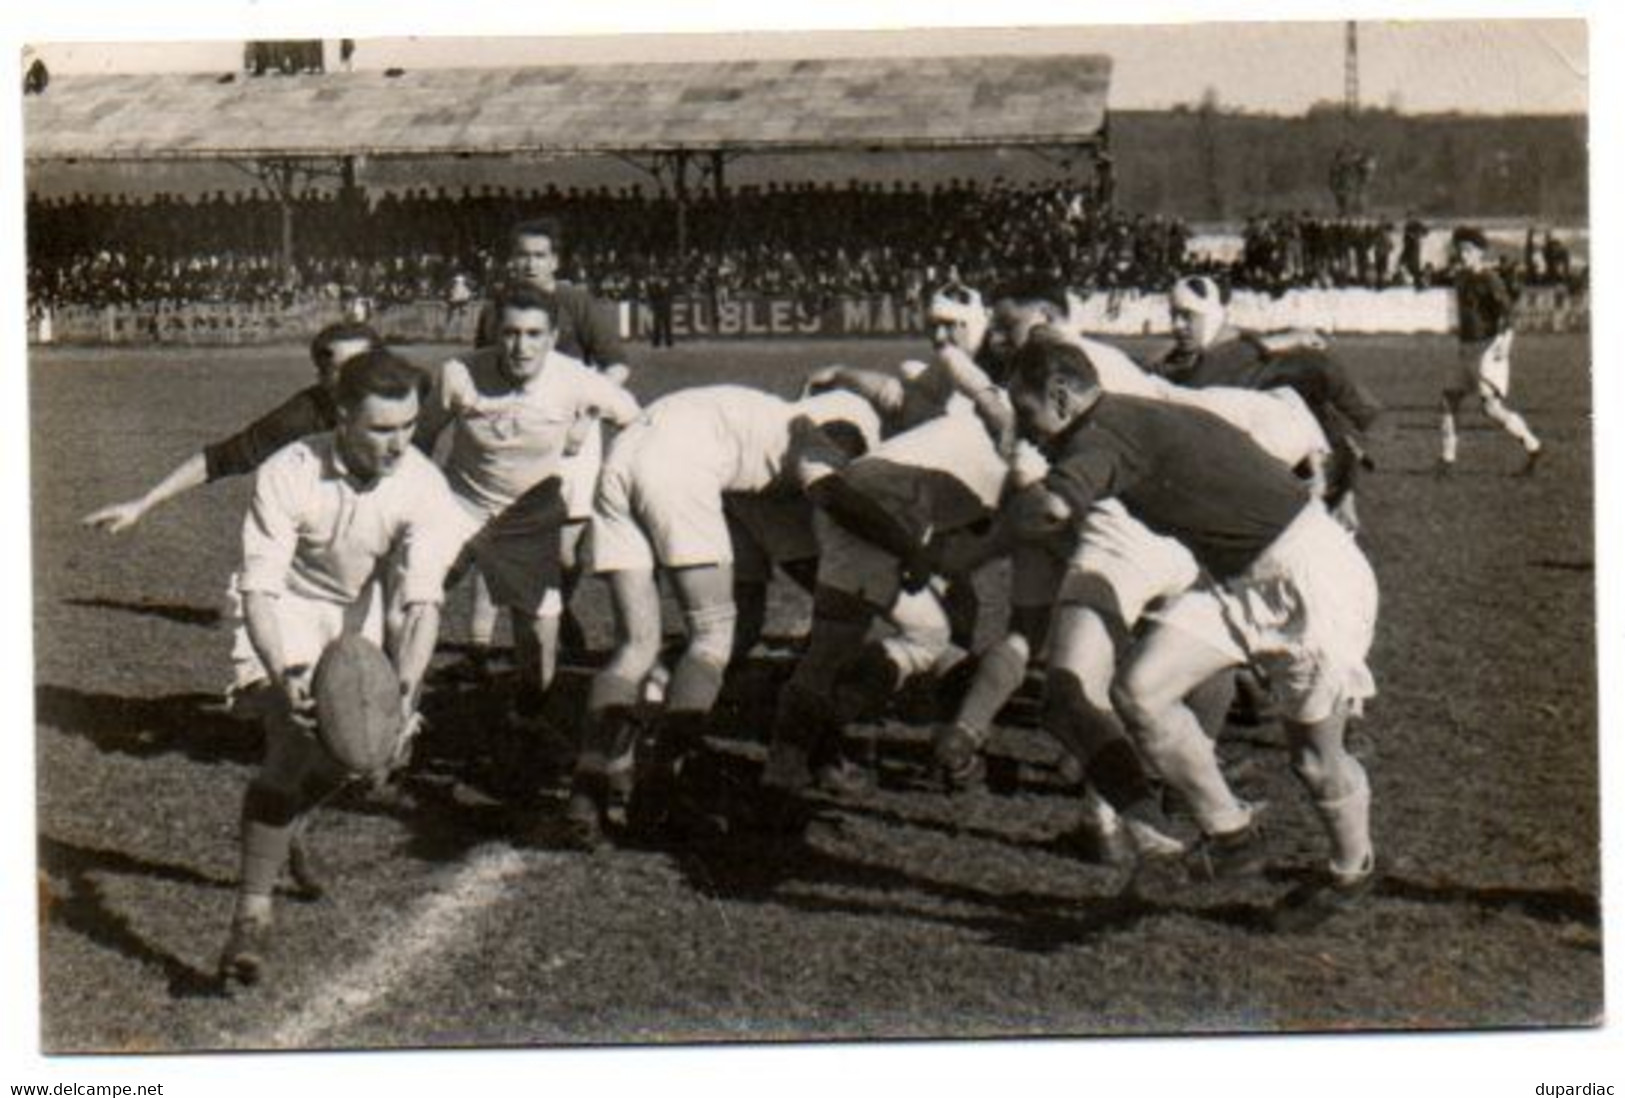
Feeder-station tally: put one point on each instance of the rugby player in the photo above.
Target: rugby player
(307, 412)
(1093, 584)
(1208, 352)
(327, 511)
(1483, 362)
(701, 472)
(514, 410)
(1285, 589)
(584, 329)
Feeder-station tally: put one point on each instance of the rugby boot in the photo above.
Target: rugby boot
(1228, 855)
(1310, 906)
(957, 754)
(247, 950)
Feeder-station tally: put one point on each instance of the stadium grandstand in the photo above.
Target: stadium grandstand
(315, 230)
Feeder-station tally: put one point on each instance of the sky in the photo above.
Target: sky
(1496, 67)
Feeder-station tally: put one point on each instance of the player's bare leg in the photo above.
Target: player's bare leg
(295, 776)
(999, 673)
(1498, 412)
(1078, 711)
(572, 638)
(1341, 792)
(706, 594)
(610, 729)
(1450, 413)
(482, 628)
(1162, 671)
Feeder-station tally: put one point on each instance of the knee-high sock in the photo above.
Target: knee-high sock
(1187, 762)
(267, 823)
(1348, 823)
(999, 674)
(1511, 422)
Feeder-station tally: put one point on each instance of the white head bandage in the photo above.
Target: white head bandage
(1199, 294)
(961, 305)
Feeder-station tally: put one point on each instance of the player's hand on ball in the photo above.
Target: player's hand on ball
(115, 518)
(295, 685)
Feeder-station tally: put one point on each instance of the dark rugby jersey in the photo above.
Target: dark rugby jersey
(1484, 307)
(1184, 472)
(308, 412)
(586, 327)
(1314, 375)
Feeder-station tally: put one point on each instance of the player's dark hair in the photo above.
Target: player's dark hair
(345, 331)
(379, 373)
(1039, 361)
(1032, 290)
(524, 297)
(847, 436)
(537, 226)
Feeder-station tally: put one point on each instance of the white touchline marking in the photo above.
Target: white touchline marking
(477, 886)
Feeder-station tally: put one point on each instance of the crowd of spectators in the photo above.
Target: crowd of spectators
(1283, 251)
(805, 240)
(811, 241)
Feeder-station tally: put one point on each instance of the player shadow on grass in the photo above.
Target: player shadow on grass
(195, 725)
(82, 907)
(801, 877)
(207, 617)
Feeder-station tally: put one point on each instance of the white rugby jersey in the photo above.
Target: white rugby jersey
(313, 531)
(742, 436)
(1281, 424)
(957, 445)
(507, 439)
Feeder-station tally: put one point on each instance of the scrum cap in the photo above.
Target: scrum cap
(1198, 294)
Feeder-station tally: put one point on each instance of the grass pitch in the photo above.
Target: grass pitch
(907, 913)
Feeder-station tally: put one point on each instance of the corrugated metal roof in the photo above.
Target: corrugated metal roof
(891, 102)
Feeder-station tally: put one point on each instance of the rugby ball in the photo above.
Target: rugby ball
(358, 705)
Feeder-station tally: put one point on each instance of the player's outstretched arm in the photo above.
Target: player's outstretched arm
(1292, 339)
(115, 518)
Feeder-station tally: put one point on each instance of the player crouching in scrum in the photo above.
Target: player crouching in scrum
(699, 469)
(1285, 589)
(326, 513)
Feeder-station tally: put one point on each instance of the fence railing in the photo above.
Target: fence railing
(759, 316)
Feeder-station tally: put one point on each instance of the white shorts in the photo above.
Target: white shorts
(653, 507)
(307, 626)
(1483, 367)
(1119, 566)
(1305, 614)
